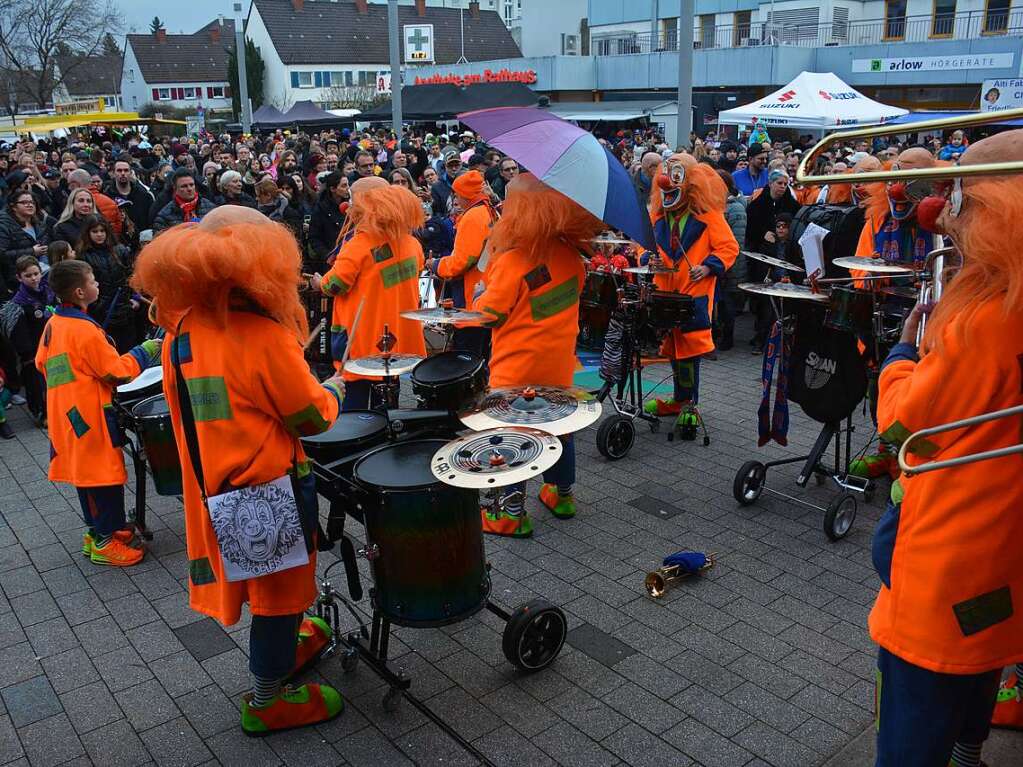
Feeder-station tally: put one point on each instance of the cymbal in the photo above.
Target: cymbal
(649, 270)
(441, 316)
(148, 377)
(496, 457)
(877, 265)
(554, 410)
(610, 241)
(783, 290)
(782, 264)
(383, 364)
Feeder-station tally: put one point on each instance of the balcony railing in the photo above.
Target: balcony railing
(958, 26)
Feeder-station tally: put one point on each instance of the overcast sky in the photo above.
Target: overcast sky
(178, 16)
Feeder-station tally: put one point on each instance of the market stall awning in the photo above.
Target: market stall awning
(816, 101)
(915, 117)
(267, 116)
(50, 123)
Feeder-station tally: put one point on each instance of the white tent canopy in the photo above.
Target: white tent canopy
(816, 101)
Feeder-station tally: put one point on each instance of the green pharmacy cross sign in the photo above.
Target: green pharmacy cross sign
(419, 42)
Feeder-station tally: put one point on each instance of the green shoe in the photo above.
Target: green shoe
(294, 707)
(507, 525)
(561, 506)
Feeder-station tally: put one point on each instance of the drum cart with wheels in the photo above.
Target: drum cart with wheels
(751, 480)
(425, 549)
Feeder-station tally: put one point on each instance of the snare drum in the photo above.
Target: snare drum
(153, 425)
(428, 563)
(146, 384)
(669, 311)
(449, 381)
(851, 311)
(352, 432)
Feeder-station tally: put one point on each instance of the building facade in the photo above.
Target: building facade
(182, 71)
(918, 54)
(87, 79)
(336, 53)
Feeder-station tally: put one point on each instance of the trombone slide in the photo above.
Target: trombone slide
(909, 470)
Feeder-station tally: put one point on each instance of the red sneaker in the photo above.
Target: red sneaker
(116, 553)
(298, 707)
(124, 536)
(313, 637)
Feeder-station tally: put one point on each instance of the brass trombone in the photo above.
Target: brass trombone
(944, 172)
(909, 470)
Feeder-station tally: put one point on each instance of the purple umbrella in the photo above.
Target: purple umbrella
(568, 159)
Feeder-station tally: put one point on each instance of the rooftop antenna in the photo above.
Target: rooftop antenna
(461, 28)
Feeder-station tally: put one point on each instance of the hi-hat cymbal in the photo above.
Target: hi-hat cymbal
(383, 364)
(440, 316)
(783, 290)
(876, 265)
(554, 410)
(496, 457)
(782, 264)
(650, 269)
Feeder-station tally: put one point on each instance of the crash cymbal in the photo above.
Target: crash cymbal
(441, 316)
(649, 269)
(783, 290)
(552, 409)
(383, 364)
(876, 265)
(610, 241)
(496, 457)
(772, 261)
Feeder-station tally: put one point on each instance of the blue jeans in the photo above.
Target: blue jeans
(272, 643)
(921, 714)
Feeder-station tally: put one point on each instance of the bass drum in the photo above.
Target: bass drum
(449, 381)
(428, 565)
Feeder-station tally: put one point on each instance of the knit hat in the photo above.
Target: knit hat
(469, 185)
(755, 149)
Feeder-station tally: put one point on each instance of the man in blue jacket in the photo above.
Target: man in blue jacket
(753, 177)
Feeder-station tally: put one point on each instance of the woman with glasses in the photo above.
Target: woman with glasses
(509, 170)
(24, 231)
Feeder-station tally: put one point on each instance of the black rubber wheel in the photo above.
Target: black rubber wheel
(749, 482)
(349, 660)
(534, 635)
(839, 518)
(615, 437)
(392, 699)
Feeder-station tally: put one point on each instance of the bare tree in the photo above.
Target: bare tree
(283, 101)
(34, 32)
(351, 97)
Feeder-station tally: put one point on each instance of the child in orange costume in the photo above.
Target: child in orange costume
(532, 293)
(947, 616)
(380, 266)
(81, 367)
(687, 209)
(463, 268)
(226, 292)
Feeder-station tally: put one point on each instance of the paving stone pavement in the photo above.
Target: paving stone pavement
(765, 660)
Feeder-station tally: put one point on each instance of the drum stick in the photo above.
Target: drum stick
(351, 336)
(315, 334)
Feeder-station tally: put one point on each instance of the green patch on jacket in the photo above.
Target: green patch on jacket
(555, 301)
(200, 572)
(306, 422)
(897, 433)
(209, 399)
(58, 371)
(335, 287)
(383, 253)
(77, 422)
(395, 274)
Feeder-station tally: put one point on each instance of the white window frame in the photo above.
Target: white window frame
(218, 91)
(164, 94)
(303, 77)
(189, 93)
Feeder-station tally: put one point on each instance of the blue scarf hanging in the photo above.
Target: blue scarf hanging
(778, 350)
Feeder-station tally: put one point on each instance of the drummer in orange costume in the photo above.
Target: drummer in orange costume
(378, 268)
(687, 210)
(226, 292)
(463, 268)
(947, 617)
(532, 295)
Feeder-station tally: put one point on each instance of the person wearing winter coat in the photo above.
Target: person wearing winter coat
(730, 297)
(114, 309)
(24, 231)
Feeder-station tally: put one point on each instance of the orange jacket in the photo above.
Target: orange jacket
(955, 604)
(705, 239)
(253, 396)
(82, 367)
(535, 310)
(471, 234)
(366, 268)
(109, 210)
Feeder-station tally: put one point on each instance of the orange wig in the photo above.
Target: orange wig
(386, 212)
(206, 267)
(534, 214)
(702, 188)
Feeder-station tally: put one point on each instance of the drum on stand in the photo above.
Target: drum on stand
(597, 301)
(352, 432)
(851, 311)
(424, 538)
(450, 381)
(669, 311)
(153, 424)
(146, 384)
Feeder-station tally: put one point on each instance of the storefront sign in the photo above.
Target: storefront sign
(527, 76)
(418, 43)
(996, 95)
(935, 63)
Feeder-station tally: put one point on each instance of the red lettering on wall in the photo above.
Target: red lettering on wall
(526, 76)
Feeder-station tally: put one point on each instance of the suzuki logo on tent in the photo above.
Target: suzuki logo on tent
(846, 96)
(787, 96)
